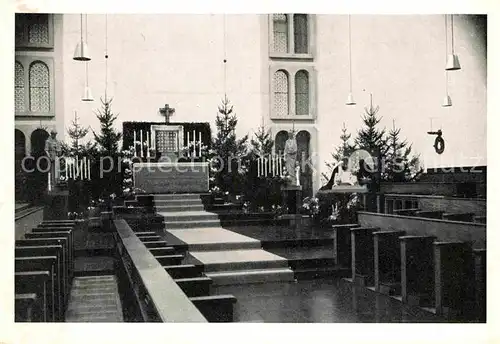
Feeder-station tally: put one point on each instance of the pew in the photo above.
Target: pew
(463, 217)
(58, 234)
(430, 214)
(49, 250)
(65, 259)
(149, 238)
(151, 244)
(454, 278)
(173, 259)
(479, 219)
(417, 270)
(162, 251)
(480, 284)
(27, 308)
(34, 282)
(44, 263)
(216, 308)
(196, 286)
(362, 261)
(143, 234)
(387, 262)
(342, 243)
(407, 212)
(184, 271)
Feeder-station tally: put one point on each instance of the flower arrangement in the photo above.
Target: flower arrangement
(310, 206)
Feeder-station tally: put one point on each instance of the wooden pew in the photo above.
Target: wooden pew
(51, 251)
(407, 212)
(342, 243)
(65, 258)
(417, 270)
(454, 279)
(45, 263)
(27, 308)
(34, 282)
(430, 214)
(463, 217)
(58, 234)
(143, 234)
(387, 263)
(196, 286)
(216, 308)
(152, 244)
(173, 259)
(362, 262)
(184, 271)
(148, 238)
(162, 251)
(480, 284)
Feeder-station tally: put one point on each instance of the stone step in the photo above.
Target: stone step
(191, 224)
(223, 246)
(179, 207)
(246, 265)
(185, 196)
(251, 276)
(189, 216)
(177, 202)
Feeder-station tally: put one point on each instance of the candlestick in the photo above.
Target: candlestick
(135, 143)
(142, 148)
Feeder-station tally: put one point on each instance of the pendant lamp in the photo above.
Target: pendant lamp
(350, 97)
(82, 50)
(452, 63)
(87, 93)
(447, 98)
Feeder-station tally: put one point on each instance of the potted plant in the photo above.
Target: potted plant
(309, 210)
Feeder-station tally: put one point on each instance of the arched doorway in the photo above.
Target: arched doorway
(19, 154)
(303, 153)
(37, 179)
(279, 142)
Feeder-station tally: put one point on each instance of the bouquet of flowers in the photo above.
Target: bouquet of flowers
(310, 206)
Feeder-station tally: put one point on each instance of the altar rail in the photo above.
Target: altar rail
(159, 297)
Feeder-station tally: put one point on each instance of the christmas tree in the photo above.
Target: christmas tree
(400, 165)
(229, 151)
(263, 143)
(345, 149)
(109, 138)
(76, 133)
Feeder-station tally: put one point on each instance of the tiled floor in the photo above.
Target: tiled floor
(327, 301)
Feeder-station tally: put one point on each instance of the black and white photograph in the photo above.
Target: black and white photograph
(262, 167)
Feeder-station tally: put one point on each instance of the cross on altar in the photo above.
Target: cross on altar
(166, 112)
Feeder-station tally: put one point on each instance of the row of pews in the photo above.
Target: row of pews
(446, 278)
(190, 278)
(441, 215)
(44, 272)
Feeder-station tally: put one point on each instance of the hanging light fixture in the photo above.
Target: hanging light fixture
(106, 59)
(87, 94)
(447, 98)
(82, 49)
(453, 63)
(350, 98)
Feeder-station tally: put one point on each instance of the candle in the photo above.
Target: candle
(135, 141)
(147, 143)
(199, 141)
(258, 167)
(142, 149)
(84, 169)
(265, 167)
(88, 171)
(274, 165)
(194, 143)
(188, 151)
(77, 169)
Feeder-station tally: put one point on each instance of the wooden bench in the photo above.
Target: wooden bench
(387, 261)
(362, 262)
(184, 271)
(43, 251)
(152, 244)
(406, 212)
(27, 308)
(55, 307)
(463, 217)
(162, 251)
(216, 308)
(342, 243)
(417, 270)
(480, 219)
(34, 282)
(149, 238)
(65, 258)
(143, 234)
(480, 283)
(173, 259)
(430, 214)
(196, 286)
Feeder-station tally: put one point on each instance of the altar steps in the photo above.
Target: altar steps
(251, 276)
(191, 224)
(188, 216)
(179, 207)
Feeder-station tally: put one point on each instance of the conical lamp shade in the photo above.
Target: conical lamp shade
(87, 95)
(350, 100)
(452, 62)
(81, 52)
(446, 101)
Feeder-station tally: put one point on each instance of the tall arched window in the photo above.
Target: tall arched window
(39, 87)
(280, 33)
(19, 87)
(281, 93)
(300, 33)
(302, 93)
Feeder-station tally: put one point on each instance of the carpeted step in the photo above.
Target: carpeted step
(251, 276)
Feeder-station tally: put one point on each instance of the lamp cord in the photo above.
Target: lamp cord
(446, 49)
(452, 38)
(225, 53)
(106, 60)
(81, 27)
(350, 61)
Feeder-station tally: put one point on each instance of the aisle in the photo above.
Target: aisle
(94, 299)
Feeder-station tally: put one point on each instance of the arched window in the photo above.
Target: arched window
(19, 87)
(279, 142)
(39, 87)
(281, 93)
(300, 33)
(280, 33)
(38, 29)
(302, 93)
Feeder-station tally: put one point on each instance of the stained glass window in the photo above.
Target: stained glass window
(281, 93)
(39, 87)
(280, 33)
(300, 33)
(19, 87)
(302, 93)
